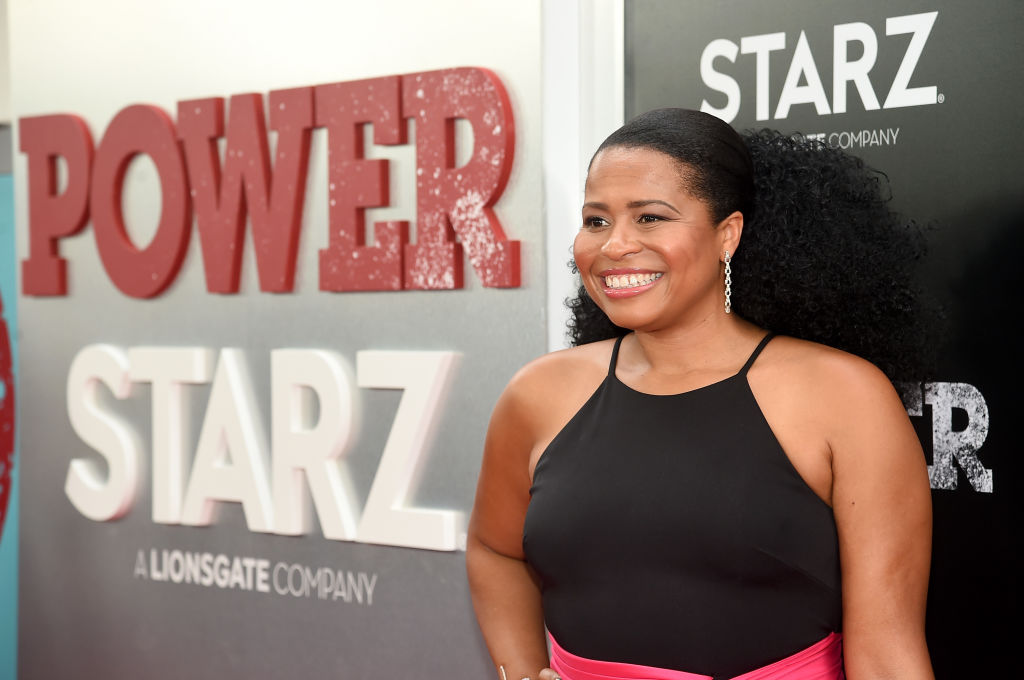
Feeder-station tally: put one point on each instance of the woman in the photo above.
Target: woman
(683, 494)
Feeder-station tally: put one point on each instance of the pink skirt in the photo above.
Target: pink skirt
(821, 661)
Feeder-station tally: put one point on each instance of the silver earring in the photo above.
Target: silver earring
(728, 283)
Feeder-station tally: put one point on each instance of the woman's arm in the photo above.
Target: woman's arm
(507, 603)
(882, 505)
(506, 596)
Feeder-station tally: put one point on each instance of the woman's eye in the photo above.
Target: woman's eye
(593, 222)
(648, 218)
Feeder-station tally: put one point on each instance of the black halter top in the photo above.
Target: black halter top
(673, 531)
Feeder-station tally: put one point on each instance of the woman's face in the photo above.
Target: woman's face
(649, 252)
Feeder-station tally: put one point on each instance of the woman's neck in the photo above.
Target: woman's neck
(713, 343)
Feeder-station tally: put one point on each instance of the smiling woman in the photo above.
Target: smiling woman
(640, 221)
(692, 493)
(818, 232)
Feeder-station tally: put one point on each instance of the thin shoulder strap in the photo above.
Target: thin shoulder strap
(615, 355)
(755, 353)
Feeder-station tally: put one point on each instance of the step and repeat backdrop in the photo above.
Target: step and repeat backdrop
(276, 262)
(929, 93)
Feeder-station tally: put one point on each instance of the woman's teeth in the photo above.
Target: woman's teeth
(630, 280)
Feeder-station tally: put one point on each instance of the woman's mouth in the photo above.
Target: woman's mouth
(632, 283)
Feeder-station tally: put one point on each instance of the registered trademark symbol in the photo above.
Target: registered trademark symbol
(941, 98)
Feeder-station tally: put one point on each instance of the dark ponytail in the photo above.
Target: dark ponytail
(822, 257)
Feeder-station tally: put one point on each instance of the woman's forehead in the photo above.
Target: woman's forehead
(636, 167)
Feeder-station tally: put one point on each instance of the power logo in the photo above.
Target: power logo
(222, 192)
(803, 83)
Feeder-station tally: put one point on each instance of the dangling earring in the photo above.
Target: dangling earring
(728, 283)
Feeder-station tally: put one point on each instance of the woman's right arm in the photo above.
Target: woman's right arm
(506, 595)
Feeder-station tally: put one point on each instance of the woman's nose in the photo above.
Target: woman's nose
(621, 242)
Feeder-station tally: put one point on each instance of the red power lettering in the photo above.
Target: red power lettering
(461, 198)
(147, 272)
(51, 215)
(454, 205)
(273, 201)
(355, 183)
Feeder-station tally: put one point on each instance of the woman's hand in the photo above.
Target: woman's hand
(545, 674)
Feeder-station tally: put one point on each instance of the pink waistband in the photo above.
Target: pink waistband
(821, 661)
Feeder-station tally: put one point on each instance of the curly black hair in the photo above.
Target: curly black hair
(823, 256)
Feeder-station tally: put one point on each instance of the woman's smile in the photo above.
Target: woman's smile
(620, 283)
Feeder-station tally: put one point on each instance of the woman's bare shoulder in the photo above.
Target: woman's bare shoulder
(559, 369)
(816, 362)
(550, 382)
(589, 357)
(822, 375)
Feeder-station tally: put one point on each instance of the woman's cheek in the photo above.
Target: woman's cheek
(583, 257)
(583, 253)
(584, 248)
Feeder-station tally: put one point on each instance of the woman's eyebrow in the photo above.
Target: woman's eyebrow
(652, 201)
(632, 204)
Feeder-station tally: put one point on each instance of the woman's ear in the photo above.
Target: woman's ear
(730, 230)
